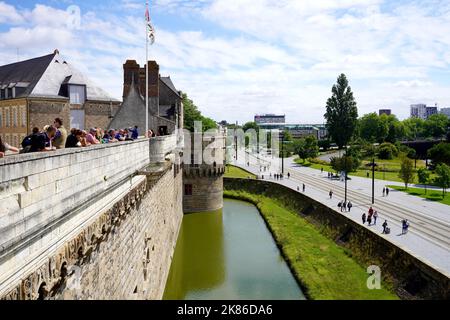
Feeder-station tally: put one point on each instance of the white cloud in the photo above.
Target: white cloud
(268, 56)
(9, 14)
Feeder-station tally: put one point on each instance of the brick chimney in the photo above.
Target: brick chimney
(153, 80)
(130, 72)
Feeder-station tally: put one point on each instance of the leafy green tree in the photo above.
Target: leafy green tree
(387, 151)
(406, 172)
(324, 144)
(436, 125)
(192, 114)
(414, 128)
(396, 129)
(443, 177)
(423, 175)
(342, 112)
(306, 148)
(372, 128)
(440, 153)
(345, 163)
(250, 125)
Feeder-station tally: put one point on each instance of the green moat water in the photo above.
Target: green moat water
(226, 255)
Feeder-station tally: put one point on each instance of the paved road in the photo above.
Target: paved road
(429, 235)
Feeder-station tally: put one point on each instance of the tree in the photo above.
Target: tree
(324, 144)
(423, 175)
(373, 128)
(440, 153)
(306, 148)
(414, 128)
(387, 151)
(443, 177)
(342, 112)
(406, 171)
(436, 125)
(345, 163)
(192, 114)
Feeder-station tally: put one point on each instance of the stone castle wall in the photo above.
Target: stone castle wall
(411, 277)
(82, 223)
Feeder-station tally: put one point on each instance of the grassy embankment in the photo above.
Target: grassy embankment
(235, 172)
(432, 194)
(391, 167)
(323, 268)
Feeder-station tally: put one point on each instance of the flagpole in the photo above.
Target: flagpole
(146, 78)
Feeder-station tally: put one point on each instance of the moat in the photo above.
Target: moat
(229, 254)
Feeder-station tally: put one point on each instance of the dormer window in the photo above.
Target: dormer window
(77, 94)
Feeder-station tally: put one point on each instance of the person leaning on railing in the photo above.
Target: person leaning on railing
(6, 147)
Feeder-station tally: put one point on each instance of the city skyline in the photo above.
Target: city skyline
(239, 59)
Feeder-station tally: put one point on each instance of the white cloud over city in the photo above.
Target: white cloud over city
(245, 57)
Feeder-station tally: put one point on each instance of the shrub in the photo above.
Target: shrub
(387, 151)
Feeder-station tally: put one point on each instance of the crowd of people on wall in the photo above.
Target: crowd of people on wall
(56, 136)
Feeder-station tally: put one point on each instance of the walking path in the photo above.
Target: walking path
(429, 233)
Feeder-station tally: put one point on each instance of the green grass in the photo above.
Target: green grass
(432, 195)
(320, 265)
(235, 172)
(388, 175)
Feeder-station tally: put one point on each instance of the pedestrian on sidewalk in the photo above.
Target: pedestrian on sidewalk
(344, 206)
(331, 194)
(384, 191)
(349, 206)
(363, 218)
(304, 188)
(271, 175)
(298, 188)
(328, 175)
(387, 192)
(321, 170)
(371, 211)
(385, 227)
(375, 217)
(289, 175)
(369, 220)
(405, 226)
(340, 205)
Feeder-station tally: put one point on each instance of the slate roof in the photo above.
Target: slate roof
(28, 72)
(168, 82)
(45, 76)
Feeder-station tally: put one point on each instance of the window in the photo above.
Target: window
(15, 116)
(7, 115)
(77, 94)
(188, 189)
(23, 112)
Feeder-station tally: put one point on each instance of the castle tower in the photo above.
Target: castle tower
(203, 180)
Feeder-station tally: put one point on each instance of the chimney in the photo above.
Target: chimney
(153, 80)
(130, 75)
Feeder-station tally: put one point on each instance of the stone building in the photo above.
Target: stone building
(36, 91)
(165, 101)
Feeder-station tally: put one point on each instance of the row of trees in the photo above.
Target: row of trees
(383, 128)
(192, 114)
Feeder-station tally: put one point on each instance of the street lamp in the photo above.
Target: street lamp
(282, 152)
(373, 165)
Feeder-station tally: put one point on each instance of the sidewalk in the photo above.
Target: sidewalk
(420, 246)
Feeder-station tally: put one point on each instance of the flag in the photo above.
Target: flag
(150, 29)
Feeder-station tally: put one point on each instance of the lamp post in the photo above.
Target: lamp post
(373, 165)
(345, 175)
(282, 153)
(235, 141)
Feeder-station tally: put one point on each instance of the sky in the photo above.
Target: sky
(238, 58)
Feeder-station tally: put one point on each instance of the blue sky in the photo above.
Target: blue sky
(236, 58)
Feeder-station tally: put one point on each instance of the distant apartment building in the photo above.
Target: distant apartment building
(270, 118)
(445, 111)
(299, 130)
(419, 111)
(387, 112)
(431, 111)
